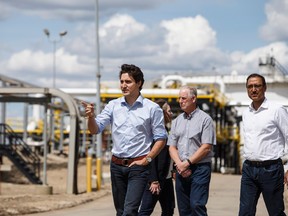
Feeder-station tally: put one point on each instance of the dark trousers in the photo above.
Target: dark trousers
(128, 185)
(267, 180)
(166, 199)
(193, 192)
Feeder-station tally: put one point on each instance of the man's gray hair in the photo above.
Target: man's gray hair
(192, 90)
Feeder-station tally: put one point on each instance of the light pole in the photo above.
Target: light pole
(54, 42)
(98, 96)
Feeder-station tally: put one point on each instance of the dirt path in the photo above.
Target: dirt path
(18, 196)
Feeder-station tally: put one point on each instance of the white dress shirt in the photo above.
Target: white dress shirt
(265, 131)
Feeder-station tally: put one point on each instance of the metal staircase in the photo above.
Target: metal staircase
(14, 148)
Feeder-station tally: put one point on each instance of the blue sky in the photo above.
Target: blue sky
(161, 36)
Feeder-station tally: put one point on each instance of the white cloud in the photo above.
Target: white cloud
(189, 35)
(121, 28)
(277, 19)
(37, 67)
(25, 59)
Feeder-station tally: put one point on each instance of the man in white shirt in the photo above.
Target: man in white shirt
(265, 127)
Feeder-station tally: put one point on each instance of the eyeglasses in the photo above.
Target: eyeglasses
(254, 86)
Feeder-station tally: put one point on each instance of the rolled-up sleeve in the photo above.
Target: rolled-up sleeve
(158, 127)
(105, 117)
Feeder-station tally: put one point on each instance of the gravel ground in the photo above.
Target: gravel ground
(19, 197)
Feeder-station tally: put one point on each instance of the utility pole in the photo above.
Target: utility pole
(98, 96)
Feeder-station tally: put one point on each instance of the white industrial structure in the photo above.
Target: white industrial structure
(232, 86)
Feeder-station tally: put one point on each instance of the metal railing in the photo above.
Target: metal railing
(12, 146)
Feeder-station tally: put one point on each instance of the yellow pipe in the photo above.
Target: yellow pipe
(99, 173)
(89, 174)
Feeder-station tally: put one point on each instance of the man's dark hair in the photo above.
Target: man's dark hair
(256, 75)
(134, 72)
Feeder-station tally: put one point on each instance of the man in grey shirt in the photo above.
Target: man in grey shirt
(191, 141)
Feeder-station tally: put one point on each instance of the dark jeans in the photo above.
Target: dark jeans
(266, 180)
(193, 191)
(128, 185)
(166, 199)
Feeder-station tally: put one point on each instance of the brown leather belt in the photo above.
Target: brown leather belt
(126, 161)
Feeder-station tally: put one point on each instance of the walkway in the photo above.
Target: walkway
(223, 201)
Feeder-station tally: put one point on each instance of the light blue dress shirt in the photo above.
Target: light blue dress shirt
(133, 127)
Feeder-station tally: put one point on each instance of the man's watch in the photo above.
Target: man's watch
(149, 159)
(190, 163)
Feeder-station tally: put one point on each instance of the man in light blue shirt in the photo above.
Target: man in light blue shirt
(135, 123)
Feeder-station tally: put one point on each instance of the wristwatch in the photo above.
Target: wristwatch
(149, 159)
(190, 163)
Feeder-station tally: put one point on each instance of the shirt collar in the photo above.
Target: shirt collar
(190, 115)
(139, 100)
(264, 105)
